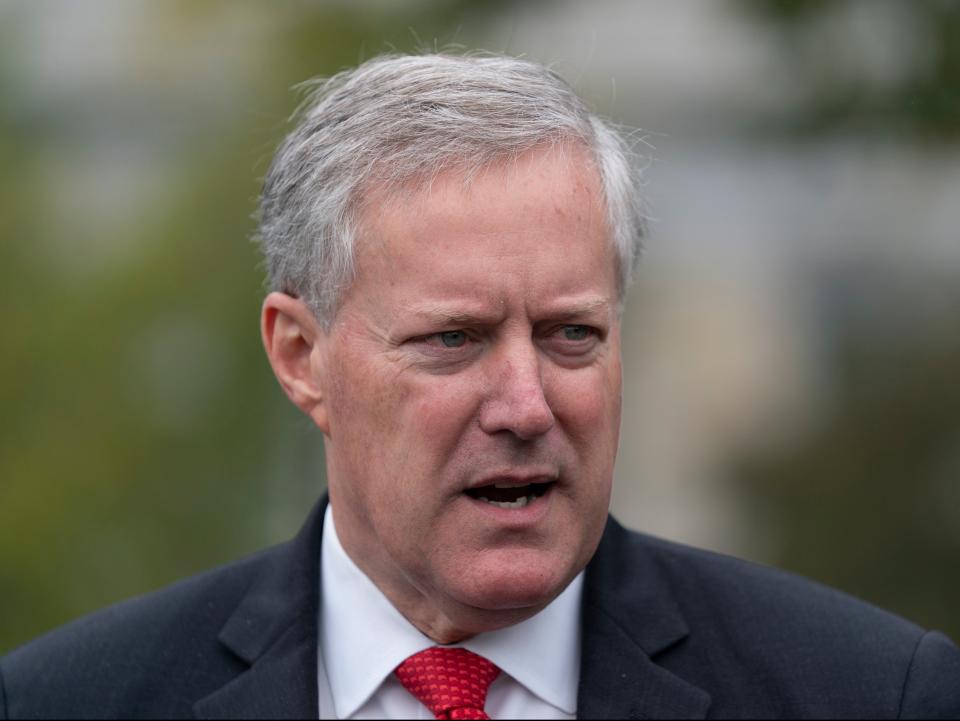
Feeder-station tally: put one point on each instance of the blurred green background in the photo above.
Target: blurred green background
(792, 346)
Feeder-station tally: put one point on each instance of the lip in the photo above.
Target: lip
(514, 519)
(514, 478)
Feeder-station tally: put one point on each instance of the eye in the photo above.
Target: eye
(445, 351)
(574, 341)
(576, 332)
(453, 338)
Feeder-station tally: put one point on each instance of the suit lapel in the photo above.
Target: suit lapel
(274, 630)
(629, 617)
(279, 685)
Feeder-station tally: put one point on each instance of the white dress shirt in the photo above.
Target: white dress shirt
(363, 638)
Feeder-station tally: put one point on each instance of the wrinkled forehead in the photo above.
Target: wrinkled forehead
(525, 234)
(449, 188)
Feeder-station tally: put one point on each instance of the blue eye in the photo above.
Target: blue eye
(576, 332)
(453, 338)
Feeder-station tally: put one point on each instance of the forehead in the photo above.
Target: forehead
(533, 229)
(548, 184)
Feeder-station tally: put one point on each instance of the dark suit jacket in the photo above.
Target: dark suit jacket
(668, 631)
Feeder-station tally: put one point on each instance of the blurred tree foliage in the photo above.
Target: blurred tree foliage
(869, 500)
(880, 67)
(143, 436)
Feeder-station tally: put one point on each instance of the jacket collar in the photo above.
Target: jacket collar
(630, 617)
(274, 629)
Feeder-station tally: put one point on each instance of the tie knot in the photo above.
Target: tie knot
(451, 682)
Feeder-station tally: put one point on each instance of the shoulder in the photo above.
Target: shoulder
(715, 588)
(774, 635)
(118, 657)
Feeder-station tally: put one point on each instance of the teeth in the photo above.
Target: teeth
(519, 503)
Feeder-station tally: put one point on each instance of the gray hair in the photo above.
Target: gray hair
(395, 119)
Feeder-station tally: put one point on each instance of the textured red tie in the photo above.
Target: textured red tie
(451, 682)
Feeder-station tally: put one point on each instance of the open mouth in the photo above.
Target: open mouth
(510, 496)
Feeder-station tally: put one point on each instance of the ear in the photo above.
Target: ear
(295, 342)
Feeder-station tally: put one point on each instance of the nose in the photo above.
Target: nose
(516, 401)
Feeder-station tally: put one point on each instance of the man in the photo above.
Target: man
(449, 242)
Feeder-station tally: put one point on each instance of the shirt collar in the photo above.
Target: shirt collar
(369, 638)
(543, 652)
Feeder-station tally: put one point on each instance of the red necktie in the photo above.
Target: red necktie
(451, 682)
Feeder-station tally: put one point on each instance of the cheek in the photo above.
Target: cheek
(443, 399)
(615, 392)
(588, 402)
(365, 396)
(401, 427)
(440, 413)
(365, 424)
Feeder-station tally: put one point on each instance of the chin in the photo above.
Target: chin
(525, 584)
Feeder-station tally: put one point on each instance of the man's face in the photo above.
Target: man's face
(476, 356)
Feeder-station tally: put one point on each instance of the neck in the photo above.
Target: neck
(454, 625)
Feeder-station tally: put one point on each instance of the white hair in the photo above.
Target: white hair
(396, 119)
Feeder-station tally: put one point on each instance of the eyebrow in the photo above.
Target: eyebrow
(440, 314)
(581, 307)
(572, 308)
